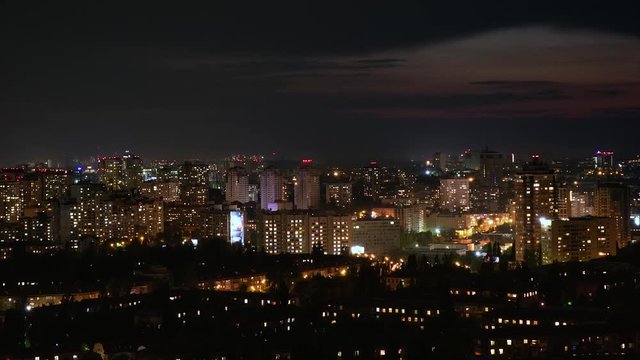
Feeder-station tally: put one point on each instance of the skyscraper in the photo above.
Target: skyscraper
(535, 207)
(237, 185)
(307, 187)
(270, 187)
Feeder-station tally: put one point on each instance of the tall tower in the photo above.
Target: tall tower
(307, 187)
(270, 187)
(237, 188)
(536, 206)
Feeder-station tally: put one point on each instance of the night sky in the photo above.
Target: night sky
(331, 80)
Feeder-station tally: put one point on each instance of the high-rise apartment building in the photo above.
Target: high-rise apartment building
(237, 185)
(89, 214)
(307, 187)
(491, 168)
(271, 185)
(137, 219)
(168, 191)
(377, 236)
(339, 194)
(455, 194)
(12, 200)
(535, 206)
(583, 238)
(40, 227)
(199, 222)
(613, 200)
(487, 188)
(55, 183)
(297, 232)
(121, 173)
(193, 179)
(285, 232)
(412, 218)
(603, 159)
(332, 233)
(575, 202)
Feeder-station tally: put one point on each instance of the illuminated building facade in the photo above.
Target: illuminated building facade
(39, 228)
(193, 179)
(575, 202)
(55, 183)
(535, 205)
(134, 219)
(285, 232)
(583, 239)
(271, 185)
(455, 194)
(297, 232)
(331, 232)
(412, 218)
(121, 173)
(197, 221)
(237, 186)
(613, 200)
(168, 191)
(373, 178)
(603, 159)
(339, 194)
(12, 200)
(377, 236)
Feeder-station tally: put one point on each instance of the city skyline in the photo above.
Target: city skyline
(336, 179)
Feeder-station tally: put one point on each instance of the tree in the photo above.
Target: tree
(424, 263)
(497, 252)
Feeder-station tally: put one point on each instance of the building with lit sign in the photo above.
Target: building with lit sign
(378, 236)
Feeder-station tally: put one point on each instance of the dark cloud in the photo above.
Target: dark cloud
(627, 113)
(513, 84)
(606, 92)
